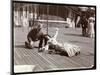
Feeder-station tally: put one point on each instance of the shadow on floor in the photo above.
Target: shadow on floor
(58, 53)
(79, 35)
(19, 46)
(23, 46)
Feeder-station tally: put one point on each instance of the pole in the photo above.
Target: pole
(57, 12)
(47, 17)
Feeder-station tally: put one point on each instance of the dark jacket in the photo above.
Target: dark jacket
(84, 22)
(35, 34)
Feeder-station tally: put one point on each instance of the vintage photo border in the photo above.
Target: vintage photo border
(12, 38)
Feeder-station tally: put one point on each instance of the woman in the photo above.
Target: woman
(91, 27)
(70, 49)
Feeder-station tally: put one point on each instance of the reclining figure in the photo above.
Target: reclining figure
(68, 48)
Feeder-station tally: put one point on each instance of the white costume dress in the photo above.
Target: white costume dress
(91, 27)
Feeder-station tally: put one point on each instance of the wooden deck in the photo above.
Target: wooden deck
(46, 62)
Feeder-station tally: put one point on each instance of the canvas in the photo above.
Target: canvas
(38, 46)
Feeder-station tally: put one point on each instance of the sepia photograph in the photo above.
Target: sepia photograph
(51, 37)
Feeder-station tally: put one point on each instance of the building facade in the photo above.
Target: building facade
(25, 14)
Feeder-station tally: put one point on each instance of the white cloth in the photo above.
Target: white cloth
(71, 49)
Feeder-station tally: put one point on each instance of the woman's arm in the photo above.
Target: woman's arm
(55, 36)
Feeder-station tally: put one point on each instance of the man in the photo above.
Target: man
(84, 23)
(36, 34)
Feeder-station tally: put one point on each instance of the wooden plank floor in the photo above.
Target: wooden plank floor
(44, 61)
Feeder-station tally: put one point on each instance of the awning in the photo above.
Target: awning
(83, 8)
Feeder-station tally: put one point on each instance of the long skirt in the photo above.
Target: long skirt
(91, 29)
